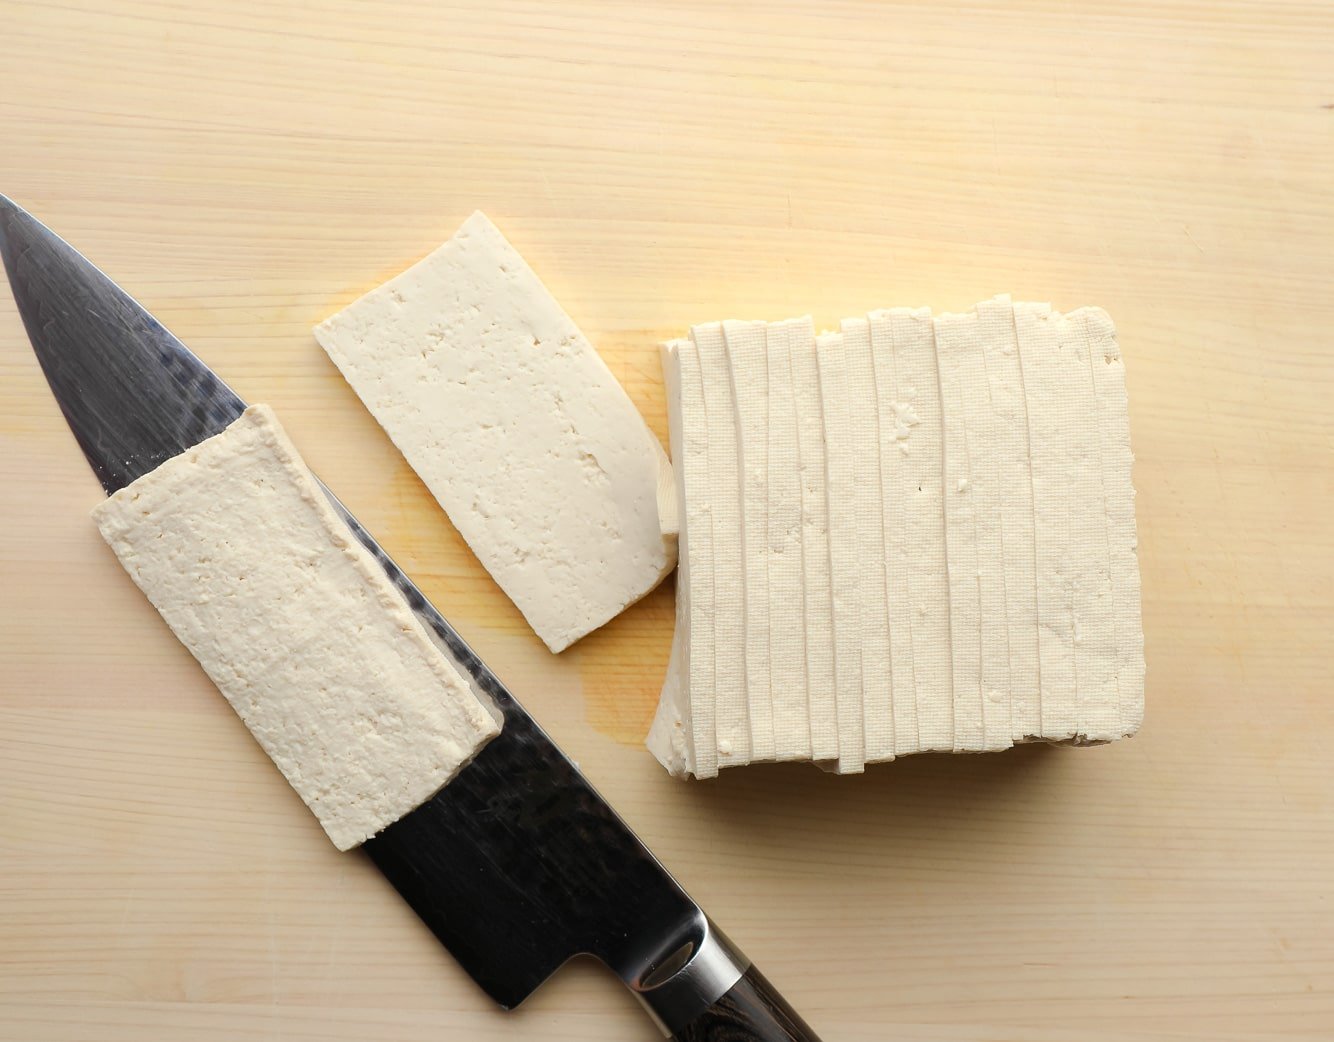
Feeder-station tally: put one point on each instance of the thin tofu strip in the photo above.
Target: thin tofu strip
(237, 547)
(747, 365)
(1010, 415)
(730, 691)
(787, 623)
(670, 737)
(515, 424)
(845, 566)
(954, 340)
(896, 416)
(817, 599)
(1109, 384)
(914, 351)
(697, 534)
(877, 671)
(1095, 608)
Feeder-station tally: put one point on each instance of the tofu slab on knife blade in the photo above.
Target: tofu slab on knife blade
(516, 865)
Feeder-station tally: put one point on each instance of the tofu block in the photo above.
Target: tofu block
(748, 368)
(896, 417)
(868, 505)
(1109, 385)
(730, 689)
(955, 339)
(817, 597)
(845, 566)
(787, 622)
(515, 424)
(237, 547)
(912, 333)
(1010, 415)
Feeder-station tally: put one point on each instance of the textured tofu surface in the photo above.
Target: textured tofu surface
(517, 427)
(237, 547)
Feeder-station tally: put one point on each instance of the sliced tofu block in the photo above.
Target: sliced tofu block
(1010, 415)
(239, 550)
(696, 666)
(817, 598)
(918, 389)
(670, 738)
(955, 340)
(845, 566)
(787, 621)
(748, 368)
(1109, 385)
(514, 423)
(896, 417)
(1076, 639)
(730, 690)
(868, 506)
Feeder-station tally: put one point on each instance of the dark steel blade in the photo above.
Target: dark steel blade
(518, 864)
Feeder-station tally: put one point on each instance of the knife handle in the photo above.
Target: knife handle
(752, 1011)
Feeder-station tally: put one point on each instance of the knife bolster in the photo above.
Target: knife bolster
(691, 979)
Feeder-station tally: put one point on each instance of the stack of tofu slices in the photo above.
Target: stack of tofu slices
(915, 534)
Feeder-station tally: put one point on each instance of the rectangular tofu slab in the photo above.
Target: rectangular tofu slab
(731, 693)
(955, 340)
(912, 334)
(235, 544)
(517, 427)
(817, 598)
(845, 567)
(748, 370)
(1010, 415)
(1109, 384)
(868, 506)
(787, 622)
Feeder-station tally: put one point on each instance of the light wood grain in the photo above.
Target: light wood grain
(246, 167)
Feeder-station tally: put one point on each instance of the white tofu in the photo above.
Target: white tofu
(1010, 415)
(896, 417)
(695, 580)
(237, 547)
(730, 692)
(670, 736)
(817, 599)
(787, 621)
(845, 567)
(955, 339)
(1109, 384)
(868, 506)
(914, 352)
(517, 427)
(748, 367)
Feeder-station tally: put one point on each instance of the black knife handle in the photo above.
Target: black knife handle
(752, 1011)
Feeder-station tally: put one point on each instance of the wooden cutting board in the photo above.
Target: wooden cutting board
(247, 167)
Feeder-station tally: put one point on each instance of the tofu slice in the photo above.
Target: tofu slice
(1109, 385)
(868, 506)
(1010, 415)
(845, 566)
(671, 738)
(730, 607)
(896, 417)
(692, 687)
(1076, 640)
(748, 369)
(236, 546)
(787, 621)
(912, 334)
(517, 427)
(817, 598)
(955, 340)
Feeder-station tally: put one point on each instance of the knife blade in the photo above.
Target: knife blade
(518, 864)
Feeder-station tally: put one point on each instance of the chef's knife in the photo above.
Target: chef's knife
(516, 865)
